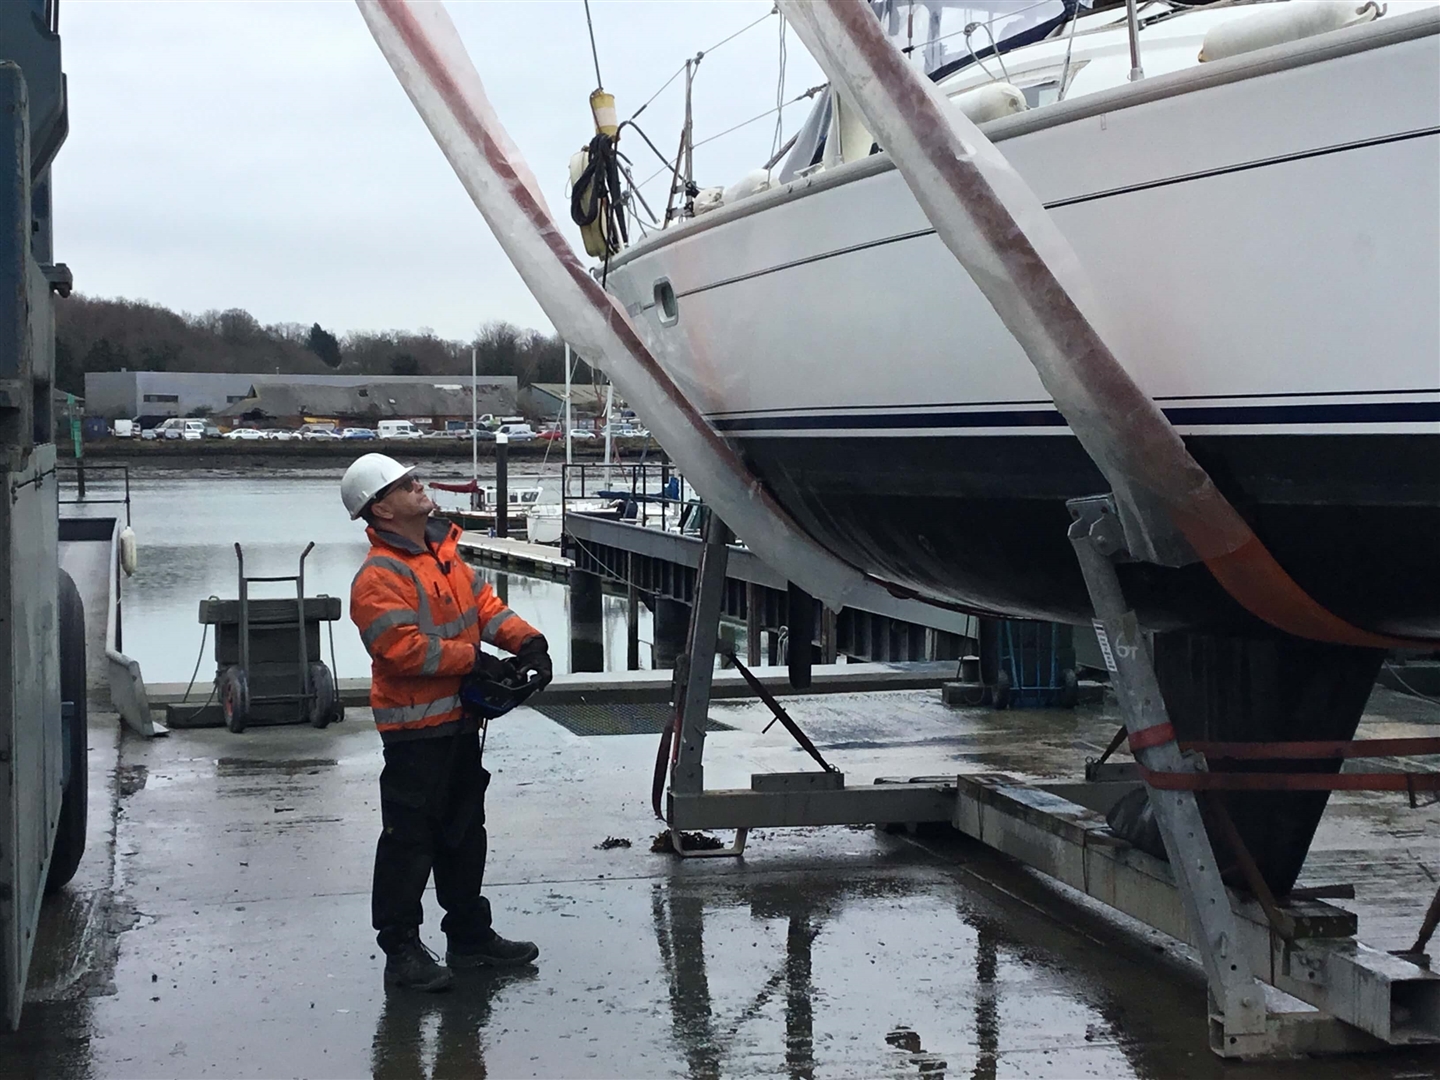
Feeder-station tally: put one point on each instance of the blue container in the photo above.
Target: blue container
(1028, 665)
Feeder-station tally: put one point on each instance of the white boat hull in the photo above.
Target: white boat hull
(1267, 250)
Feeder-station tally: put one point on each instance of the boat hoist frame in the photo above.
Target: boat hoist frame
(1366, 998)
(1285, 977)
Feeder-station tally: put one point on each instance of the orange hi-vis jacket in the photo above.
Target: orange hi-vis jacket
(421, 613)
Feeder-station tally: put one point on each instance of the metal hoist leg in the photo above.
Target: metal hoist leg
(688, 772)
(1098, 539)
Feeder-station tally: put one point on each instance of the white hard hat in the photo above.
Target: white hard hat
(367, 477)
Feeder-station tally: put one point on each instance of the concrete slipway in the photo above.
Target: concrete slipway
(220, 923)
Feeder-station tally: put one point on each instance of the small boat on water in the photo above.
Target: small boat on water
(483, 500)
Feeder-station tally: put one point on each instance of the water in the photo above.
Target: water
(187, 522)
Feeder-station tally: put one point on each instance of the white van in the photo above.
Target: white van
(397, 429)
(181, 427)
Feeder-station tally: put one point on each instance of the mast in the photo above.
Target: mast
(474, 422)
(569, 459)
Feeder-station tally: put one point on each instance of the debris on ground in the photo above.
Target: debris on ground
(610, 843)
(692, 841)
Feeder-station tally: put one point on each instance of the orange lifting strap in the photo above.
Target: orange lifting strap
(1410, 782)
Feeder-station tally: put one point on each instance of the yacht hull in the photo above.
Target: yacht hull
(1265, 251)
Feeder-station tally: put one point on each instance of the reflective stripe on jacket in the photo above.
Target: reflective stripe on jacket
(421, 612)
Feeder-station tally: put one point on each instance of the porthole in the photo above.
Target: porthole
(666, 304)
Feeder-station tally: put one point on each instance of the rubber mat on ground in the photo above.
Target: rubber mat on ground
(634, 718)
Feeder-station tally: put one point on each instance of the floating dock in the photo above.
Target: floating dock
(519, 556)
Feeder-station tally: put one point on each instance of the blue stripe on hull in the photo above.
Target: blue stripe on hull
(1360, 412)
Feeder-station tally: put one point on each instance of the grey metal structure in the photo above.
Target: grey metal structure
(34, 764)
(1335, 994)
(773, 800)
(661, 563)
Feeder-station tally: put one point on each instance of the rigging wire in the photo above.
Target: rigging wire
(668, 167)
(698, 57)
(1069, 51)
(779, 138)
(594, 53)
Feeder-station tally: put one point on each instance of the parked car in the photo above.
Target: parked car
(626, 431)
(517, 432)
(211, 431)
(248, 434)
(358, 433)
(582, 435)
(124, 429)
(278, 434)
(319, 433)
(149, 434)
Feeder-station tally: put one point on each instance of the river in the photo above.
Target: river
(187, 522)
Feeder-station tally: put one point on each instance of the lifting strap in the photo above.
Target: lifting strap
(1315, 750)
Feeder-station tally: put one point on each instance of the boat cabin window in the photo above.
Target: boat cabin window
(942, 36)
(1045, 93)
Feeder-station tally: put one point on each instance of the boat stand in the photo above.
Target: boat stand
(1285, 977)
(773, 800)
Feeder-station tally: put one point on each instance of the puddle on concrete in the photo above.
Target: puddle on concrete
(130, 778)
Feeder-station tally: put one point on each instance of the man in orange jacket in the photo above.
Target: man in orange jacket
(422, 614)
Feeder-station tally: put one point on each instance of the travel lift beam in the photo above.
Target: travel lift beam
(1351, 997)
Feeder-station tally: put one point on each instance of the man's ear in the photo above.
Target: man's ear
(381, 512)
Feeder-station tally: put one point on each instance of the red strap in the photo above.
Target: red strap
(1229, 781)
(1335, 748)
(1148, 737)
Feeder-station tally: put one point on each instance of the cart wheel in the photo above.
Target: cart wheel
(324, 708)
(235, 699)
(1003, 684)
(1069, 689)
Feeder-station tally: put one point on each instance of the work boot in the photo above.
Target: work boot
(498, 952)
(412, 966)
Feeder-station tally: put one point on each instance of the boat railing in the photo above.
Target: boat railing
(648, 494)
(79, 471)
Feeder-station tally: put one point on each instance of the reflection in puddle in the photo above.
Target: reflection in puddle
(803, 972)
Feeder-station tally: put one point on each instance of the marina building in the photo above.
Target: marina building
(427, 401)
(123, 394)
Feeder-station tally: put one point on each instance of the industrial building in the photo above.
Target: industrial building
(427, 401)
(122, 394)
(546, 401)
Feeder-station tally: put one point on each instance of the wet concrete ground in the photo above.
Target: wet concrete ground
(220, 923)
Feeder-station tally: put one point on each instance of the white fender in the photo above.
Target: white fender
(129, 556)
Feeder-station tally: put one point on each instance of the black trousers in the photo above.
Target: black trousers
(432, 805)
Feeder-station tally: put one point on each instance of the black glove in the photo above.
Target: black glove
(489, 667)
(534, 655)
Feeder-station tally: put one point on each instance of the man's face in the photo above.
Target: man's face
(404, 500)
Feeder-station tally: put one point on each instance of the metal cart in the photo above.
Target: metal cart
(267, 654)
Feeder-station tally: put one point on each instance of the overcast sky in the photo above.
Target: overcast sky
(263, 156)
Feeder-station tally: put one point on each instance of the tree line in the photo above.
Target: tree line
(95, 334)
